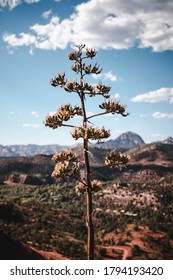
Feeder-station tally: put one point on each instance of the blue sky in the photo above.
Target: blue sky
(134, 40)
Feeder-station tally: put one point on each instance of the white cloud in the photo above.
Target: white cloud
(155, 135)
(159, 115)
(35, 114)
(24, 39)
(106, 24)
(106, 76)
(32, 1)
(35, 125)
(117, 95)
(143, 115)
(14, 3)
(31, 125)
(53, 35)
(26, 125)
(15, 113)
(31, 52)
(47, 14)
(160, 95)
(10, 3)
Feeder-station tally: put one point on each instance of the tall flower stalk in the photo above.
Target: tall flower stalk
(67, 162)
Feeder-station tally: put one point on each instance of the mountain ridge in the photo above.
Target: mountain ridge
(124, 141)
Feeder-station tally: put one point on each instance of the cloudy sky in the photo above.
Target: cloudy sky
(134, 40)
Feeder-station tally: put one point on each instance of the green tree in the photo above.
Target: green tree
(67, 162)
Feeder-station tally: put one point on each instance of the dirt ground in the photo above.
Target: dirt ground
(125, 250)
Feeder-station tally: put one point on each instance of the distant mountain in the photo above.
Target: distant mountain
(29, 150)
(5, 151)
(126, 140)
(168, 140)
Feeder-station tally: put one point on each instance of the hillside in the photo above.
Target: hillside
(155, 153)
(132, 221)
(145, 160)
(27, 170)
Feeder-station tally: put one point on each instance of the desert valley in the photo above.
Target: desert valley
(43, 218)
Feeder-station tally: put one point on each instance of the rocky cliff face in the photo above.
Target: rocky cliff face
(126, 140)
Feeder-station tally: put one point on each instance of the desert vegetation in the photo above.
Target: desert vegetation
(137, 227)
